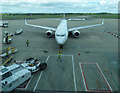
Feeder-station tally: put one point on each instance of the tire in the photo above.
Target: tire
(43, 66)
(29, 59)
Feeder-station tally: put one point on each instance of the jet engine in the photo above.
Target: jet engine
(76, 33)
(49, 33)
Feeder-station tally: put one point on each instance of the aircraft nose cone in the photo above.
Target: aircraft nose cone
(60, 41)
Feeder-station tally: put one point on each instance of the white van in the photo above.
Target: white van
(13, 76)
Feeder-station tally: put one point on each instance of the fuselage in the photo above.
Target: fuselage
(61, 33)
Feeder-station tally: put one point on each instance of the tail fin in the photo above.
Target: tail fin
(25, 21)
(63, 15)
(103, 21)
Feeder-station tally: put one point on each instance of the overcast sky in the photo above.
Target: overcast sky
(59, 6)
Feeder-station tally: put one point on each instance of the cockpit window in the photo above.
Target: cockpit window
(60, 35)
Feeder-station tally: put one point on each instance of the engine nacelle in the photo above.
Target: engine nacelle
(76, 33)
(49, 33)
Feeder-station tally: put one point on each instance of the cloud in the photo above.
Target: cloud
(102, 2)
(48, 6)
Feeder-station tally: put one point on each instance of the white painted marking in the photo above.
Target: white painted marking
(21, 88)
(66, 55)
(87, 63)
(74, 74)
(47, 59)
(82, 77)
(104, 77)
(40, 76)
(28, 82)
(37, 81)
(61, 55)
(73, 70)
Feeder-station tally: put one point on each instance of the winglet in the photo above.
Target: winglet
(63, 15)
(103, 21)
(25, 21)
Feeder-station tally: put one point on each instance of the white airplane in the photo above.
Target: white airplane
(61, 32)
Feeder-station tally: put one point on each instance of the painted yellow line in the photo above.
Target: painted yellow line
(7, 60)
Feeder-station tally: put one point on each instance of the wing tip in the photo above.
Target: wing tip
(25, 21)
(103, 21)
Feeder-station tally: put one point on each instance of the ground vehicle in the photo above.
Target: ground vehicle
(4, 24)
(13, 76)
(18, 32)
(7, 40)
(7, 37)
(34, 65)
(8, 50)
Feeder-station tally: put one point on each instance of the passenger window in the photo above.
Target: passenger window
(8, 74)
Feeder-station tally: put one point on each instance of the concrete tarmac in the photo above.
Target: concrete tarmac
(93, 46)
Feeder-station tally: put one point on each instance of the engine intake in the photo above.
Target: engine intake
(49, 33)
(76, 33)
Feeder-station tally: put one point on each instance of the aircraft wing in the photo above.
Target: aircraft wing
(76, 19)
(76, 28)
(49, 28)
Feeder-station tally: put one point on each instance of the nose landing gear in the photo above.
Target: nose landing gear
(61, 46)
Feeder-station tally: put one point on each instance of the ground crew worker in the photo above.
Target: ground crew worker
(10, 36)
(27, 42)
(13, 50)
(9, 48)
(61, 51)
(59, 57)
(7, 54)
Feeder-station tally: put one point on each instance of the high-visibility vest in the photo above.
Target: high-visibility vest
(27, 41)
(9, 48)
(59, 54)
(13, 50)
